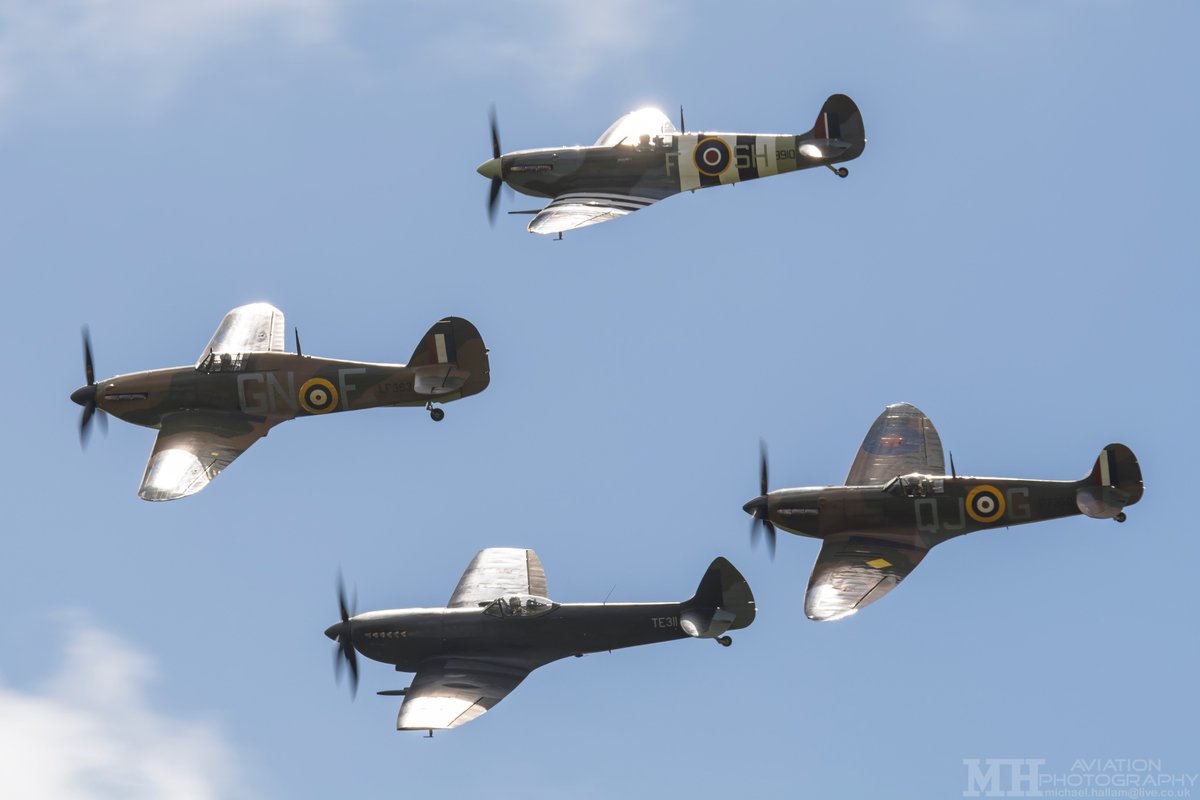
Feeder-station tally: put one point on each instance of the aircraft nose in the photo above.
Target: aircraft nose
(84, 395)
(489, 168)
(334, 630)
(755, 506)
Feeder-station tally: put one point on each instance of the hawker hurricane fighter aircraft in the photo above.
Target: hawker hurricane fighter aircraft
(244, 384)
(499, 626)
(642, 158)
(898, 503)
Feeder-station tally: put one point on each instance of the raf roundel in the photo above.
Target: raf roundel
(317, 396)
(711, 156)
(985, 503)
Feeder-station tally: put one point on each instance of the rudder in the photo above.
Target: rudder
(840, 121)
(723, 602)
(1114, 482)
(451, 357)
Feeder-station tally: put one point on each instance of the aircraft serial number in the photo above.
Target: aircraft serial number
(781, 155)
(392, 388)
(664, 622)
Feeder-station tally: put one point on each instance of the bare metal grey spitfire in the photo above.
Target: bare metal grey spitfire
(500, 625)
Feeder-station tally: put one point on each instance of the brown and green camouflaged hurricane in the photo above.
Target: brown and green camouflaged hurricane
(244, 384)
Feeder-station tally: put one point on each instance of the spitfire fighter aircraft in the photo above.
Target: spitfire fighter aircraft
(244, 384)
(898, 503)
(499, 626)
(643, 158)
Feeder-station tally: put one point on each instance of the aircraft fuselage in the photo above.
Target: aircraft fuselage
(922, 509)
(279, 386)
(665, 165)
(406, 637)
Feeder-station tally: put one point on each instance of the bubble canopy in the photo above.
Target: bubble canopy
(520, 605)
(629, 128)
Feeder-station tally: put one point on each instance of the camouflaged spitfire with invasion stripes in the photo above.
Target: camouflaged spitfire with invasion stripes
(643, 158)
(244, 384)
(898, 503)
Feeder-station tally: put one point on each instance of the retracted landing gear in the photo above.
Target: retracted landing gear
(725, 641)
(436, 414)
(841, 172)
(1121, 517)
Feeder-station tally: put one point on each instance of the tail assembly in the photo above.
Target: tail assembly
(450, 360)
(1114, 482)
(837, 135)
(722, 602)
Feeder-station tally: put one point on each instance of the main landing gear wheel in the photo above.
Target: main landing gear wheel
(725, 641)
(1121, 517)
(437, 414)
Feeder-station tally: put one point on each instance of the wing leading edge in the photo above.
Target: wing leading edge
(901, 441)
(193, 447)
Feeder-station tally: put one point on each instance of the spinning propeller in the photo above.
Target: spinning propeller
(492, 169)
(758, 507)
(86, 395)
(342, 633)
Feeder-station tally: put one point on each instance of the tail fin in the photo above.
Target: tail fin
(722, 602)
(451, 358)
(1114, 482)
(839, 126)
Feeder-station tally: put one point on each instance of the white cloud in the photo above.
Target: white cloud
(64, 52)
(551, 45)
(91, 732)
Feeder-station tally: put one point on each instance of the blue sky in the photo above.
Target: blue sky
(1015, 253)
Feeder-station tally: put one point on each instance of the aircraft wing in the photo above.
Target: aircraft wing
(192, 447)
(580, 209)
(853, 571)
(252, 328)
(449, 691)
(497, 572)
(902, 440)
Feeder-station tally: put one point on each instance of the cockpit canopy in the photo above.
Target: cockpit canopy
(916, 485)
(221, 362)
(629, 129)
(520, 605)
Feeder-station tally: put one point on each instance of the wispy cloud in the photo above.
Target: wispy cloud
(63, 52)
(549, 45)
(90, 732)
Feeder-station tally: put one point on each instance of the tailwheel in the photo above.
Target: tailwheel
(725, 641)
(841, 172)
(1121, 517)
